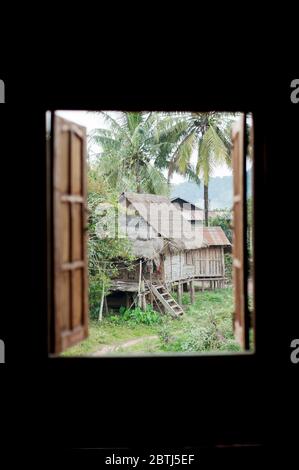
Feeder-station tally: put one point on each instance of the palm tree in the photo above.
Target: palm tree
(127, 152)
(170, 129)
(209, 135)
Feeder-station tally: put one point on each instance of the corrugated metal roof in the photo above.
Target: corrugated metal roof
(215, 236)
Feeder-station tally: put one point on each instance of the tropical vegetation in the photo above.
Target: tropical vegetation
(206, 326)
(140, 152)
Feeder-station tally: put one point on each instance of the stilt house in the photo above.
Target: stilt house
(169, 250)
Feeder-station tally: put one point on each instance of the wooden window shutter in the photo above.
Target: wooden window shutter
(239, 234)
(70, 271)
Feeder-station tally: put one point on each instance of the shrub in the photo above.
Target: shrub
(137, 315)
(201, 339)
(165, 332)
(228, 263)
(116, 319)
(95, 293)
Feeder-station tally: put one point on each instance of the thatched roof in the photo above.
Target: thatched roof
(154, 223)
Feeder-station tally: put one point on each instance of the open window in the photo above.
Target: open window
(240, 233)
(68, 315)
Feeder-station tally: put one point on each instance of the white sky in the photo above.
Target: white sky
(92, 120)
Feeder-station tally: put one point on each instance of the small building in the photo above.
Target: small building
(191, 212)
(194, 214)
(170, 251)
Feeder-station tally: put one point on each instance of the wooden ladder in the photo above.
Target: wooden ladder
(169, 303)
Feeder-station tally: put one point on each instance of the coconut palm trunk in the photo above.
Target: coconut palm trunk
(206, 204)
(138, 178)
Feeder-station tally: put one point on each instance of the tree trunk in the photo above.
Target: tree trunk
(206, 202)
(102, 304)
(138, 179)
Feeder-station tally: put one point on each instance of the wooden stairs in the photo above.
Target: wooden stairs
(170, 305)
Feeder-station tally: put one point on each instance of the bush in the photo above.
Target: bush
(214, 333)
(202, 339)
(137, 315)
(165, 332)
(228, 263)
(95, 293)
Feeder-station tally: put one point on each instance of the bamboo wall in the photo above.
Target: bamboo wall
(205, 262)
(201, 263)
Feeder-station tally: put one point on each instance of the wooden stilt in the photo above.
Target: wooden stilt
(192, 296)
(180, 293)
(139, 301)
(143, 302)
(127, 301)
(151, 293)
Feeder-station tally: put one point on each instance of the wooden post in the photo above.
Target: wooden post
(151, 294)
(180, 293)
(192, 297)
(143, 302)
(106, 305)
(127, 300)
(140, 271)
(142, 296)
(139, 285)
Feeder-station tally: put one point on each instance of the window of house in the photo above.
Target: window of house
(189, 258)
(73, 262)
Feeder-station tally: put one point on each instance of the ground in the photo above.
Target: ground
(206, 326)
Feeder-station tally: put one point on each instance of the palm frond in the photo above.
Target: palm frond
(115, 125)
(154, 181)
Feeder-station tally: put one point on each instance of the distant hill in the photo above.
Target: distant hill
(220, 191)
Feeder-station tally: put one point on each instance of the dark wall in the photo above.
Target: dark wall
(187, 400)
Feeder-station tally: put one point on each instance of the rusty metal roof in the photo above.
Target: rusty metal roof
(215, 236)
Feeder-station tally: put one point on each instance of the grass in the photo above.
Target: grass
(205, 327)
(107, 333)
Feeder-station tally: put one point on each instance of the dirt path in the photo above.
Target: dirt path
(126, 344)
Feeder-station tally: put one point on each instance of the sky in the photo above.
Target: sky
(92, 120)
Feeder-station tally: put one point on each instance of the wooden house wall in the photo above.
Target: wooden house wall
(209, 261)
(204, 262)
(133, 275)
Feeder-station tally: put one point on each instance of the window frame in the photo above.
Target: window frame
(257, 178)
(189, 254)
